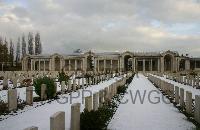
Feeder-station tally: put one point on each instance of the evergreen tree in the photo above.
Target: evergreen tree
(18, 52)
(38, 45)
(30, 44)
(23, 46)
(11, 53)
(6, 56)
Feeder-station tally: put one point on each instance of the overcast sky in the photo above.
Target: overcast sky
(105, 25)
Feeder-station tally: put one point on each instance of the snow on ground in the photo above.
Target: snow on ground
(147, 116)
(40, 116)
(194, 91)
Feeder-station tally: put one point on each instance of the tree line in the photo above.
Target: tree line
(11, 53)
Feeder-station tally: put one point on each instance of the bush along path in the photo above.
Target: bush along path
(99, 119)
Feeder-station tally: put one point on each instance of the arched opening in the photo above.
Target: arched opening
(168, 63)
(57, 64)
(182, 65)
(127, 63)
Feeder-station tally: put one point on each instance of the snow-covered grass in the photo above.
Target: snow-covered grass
(40, 116)
(147, 116)
(185, 87)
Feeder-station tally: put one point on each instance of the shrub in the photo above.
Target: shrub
(51, 88)
(3, 107)
(63, 77)
(99, 120)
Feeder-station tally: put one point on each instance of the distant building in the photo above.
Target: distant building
(168, 61)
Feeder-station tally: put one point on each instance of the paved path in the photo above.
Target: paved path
(138, 116)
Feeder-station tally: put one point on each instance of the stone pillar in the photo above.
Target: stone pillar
(44, 66)
(43, 92)
(187, 64)
(182, 103)
(118, 65)
(12, 99)
(151, 66)
(144, 65)
(95, 101)
(63, 86)
(75, 65)
(69, 65)
(29, 95)
(75, 116)
(197, 109)
(98, 65)
(188, 102)
(31, 128)
(162, 65)
(176, 94)
(104, 65)
(133, 66)
(31, 65)
(39, 66)
(88, 103)
(57, 121)
(111, 65)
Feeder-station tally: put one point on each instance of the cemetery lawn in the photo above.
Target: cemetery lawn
(138, 116)
(40, 116)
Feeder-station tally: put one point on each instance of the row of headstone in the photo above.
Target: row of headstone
(12, 98)
(193, 81)
(180, 97)
(57, 120)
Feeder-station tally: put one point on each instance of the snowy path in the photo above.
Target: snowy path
(137, 116)
(194, 91)
(41, 116)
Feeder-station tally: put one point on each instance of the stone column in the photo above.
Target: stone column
(144, 65)
(162, 64)
(104, 65)
(12, 99)
(118, 63)
(197, 109)
(44, 66)
(34, 65)
(134, 64)
(75, 65)
(57, 121)
(98, 65)
(95, 101)
(69, 65)
(182, 103)
(29, 95)
(111, 65)
(88, 103)
(151, 66)
(39, 66)
(188, 102)
(187, 64)
(31, 65)
(75, 116)
(31, 128)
